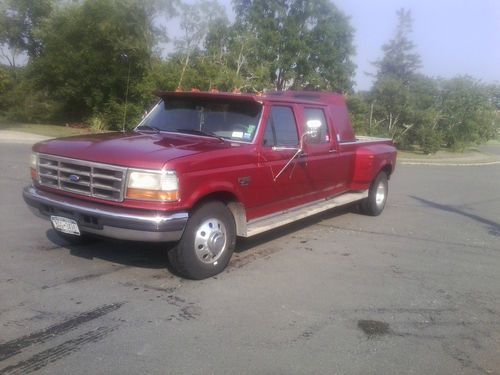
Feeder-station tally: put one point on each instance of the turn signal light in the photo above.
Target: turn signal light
(154, 195)
(33, 166)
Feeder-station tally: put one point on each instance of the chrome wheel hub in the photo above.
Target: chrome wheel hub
(210, 240)
(380, 194)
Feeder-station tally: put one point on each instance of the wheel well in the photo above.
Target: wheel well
(232, 203)
(388, 170)
(221, 196)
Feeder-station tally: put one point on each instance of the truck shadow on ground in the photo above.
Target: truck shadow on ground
(154, 255)
(493, 227)
(127, 253)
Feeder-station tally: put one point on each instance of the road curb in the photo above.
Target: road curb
(451, 164)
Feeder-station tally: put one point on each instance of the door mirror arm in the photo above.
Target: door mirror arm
(299, 151)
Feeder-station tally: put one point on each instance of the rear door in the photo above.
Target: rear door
(323, 163)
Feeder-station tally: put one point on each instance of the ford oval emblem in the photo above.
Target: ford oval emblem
(74, 178)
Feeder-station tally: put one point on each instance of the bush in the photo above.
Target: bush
(31, 106)
(97, 124)
(359, 112)
(114, 115)
(429, 140)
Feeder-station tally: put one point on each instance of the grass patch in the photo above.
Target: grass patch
(53, 131)
(493, 142)
(440, 155)
(470, 155)
(471, 152)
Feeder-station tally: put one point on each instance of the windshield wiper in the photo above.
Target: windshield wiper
(148, 127)
(199, 132)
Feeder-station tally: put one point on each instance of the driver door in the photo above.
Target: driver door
(282, 186)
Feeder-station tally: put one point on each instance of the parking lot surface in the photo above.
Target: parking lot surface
(414, 291)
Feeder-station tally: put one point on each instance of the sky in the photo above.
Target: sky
(453, 37)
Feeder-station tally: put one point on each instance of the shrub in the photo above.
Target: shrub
(429, 140)
(114, 115)
(97, 124)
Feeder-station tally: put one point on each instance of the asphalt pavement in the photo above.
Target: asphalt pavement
(16, 137)
(413, 291)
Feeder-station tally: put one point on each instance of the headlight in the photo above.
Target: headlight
(151, 185)
(33, 166)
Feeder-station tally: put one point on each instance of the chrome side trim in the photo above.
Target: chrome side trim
(364, 139)
(272, 221)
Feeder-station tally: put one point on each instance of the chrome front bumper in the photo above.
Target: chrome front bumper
(108, 221)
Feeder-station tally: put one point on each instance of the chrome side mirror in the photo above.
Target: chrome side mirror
(312, 130)
(312, 127)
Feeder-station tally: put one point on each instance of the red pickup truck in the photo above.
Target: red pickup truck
(202, 169)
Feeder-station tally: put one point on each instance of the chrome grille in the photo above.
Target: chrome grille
(97, 180)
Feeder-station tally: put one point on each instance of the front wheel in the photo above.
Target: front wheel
(207, 243)
(377, 196)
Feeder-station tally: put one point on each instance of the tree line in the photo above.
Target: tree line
(417, 110)
(99, 61)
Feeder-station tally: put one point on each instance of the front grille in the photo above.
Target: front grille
(97, 180)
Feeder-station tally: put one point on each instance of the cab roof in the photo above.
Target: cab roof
(310, 97)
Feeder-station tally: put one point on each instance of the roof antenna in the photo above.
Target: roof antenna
(124, 56)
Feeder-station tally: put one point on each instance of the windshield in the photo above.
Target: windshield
(232, 120)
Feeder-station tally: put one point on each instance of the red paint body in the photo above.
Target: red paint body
(208, 166)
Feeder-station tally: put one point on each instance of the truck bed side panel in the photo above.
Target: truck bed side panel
(370, 159)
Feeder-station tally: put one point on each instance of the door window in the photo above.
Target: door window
(322, 135)
(281, 128)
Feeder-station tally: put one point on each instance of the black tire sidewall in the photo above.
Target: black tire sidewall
(185, 259)
(374, 209)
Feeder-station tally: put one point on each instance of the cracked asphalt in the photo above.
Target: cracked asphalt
(413, 291)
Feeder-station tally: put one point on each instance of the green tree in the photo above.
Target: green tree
(231, 49)
(493, 91)
(5, 84)
(400, 61)
(426, 112)
(359, 112)
(18, 20)
(468, 113)
(92, 54)
(300, 43)
(391, 93)
(195, 21)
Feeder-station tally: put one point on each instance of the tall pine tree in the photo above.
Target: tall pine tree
(391, 92)
(400, 61)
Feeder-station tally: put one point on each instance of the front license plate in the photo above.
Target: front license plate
(65, 225)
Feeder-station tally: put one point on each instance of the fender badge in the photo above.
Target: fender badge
(244, 181)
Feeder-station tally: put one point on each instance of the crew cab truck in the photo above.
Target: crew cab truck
(203, 168)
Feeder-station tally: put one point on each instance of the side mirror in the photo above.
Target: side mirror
(312, 127)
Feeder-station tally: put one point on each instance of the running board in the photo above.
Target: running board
(269, 222)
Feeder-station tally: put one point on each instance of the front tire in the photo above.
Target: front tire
(377, 196)
(207, 243)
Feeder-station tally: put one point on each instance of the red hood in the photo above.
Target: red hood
(137, 150)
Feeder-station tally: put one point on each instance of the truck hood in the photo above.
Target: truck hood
(137, 150)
